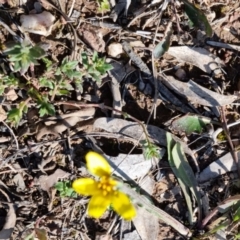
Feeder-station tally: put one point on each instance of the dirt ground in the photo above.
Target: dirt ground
(143, 88)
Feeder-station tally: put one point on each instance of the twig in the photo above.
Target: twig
(12, 133)
(226, 131)
(71, 9)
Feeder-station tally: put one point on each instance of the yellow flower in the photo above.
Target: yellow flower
(104, 191)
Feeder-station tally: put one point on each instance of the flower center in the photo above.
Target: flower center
(107, 185)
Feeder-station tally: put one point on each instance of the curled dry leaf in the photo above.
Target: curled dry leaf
(41, 23)
(94, 39)
(10, 219)
(221, 166)
(9, 225)
(146, 224)
(197, 94)
(134, 165)
(199, 57)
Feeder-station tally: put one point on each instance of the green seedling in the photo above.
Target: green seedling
(15, 115)
(150, 150)
(104, 6)
(45, 107)
(23, 55)
(65, 189)
(95, 67)
(68, 68)
(7, 81)
(60, 83)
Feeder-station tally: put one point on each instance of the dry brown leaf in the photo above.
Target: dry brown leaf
(197, 94)
(47, 182)
(41, 234)
(94, 39)
(9, 225)
(11, 95)
(199, 57)
(40, 23)
(219, 167)
(3, 114)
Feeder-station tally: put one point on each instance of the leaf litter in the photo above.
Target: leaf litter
(102, 76)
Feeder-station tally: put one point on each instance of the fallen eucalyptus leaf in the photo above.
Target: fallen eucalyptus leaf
(199, 57)
(221, 208)
(197, 94)
(221, 166)
(10, 222)
(134, 165)
(146, 224)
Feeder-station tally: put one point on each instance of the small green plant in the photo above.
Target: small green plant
(65, 189)
(45, 107)
(95, 67)
(104, 6)
(15, 115)
(23, 55)
(7, 81)
(150, 150)
(68, 68)
(60, 82)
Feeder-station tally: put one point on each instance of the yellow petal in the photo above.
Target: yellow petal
(123, 206)
(98, 205)
(97, 164)
(86, 186)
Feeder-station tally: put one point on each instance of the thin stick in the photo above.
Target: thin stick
(12, 133)
(226, 131)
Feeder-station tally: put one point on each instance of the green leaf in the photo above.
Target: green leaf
(104, 6)
(65, 189)
(59, 186)
(189, 124)
(184, 174)
(163, 46)
(44, 82)
(48, 63)
(23, 55)
(78, 84)
(95, 57)
(197, 17)
(236, 214)
(15, 115)
(85, 59)
(45, 108)
(62, 92)
(150, 150)
(37, 52)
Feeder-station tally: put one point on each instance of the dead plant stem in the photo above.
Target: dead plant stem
(226, 131)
